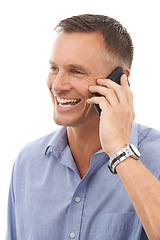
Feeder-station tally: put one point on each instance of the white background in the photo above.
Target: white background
(26, 37)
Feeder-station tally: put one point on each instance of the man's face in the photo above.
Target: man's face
(76, 62)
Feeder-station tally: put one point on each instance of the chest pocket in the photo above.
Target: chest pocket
(118, 226)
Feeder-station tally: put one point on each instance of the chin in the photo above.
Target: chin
(67, 122)
(82, 119)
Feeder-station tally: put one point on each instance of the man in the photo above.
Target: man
(61, 187)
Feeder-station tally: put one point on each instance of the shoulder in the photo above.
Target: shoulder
(38, 144)
(33, 152)
(149, 146)
(148, 136)
(31, 163)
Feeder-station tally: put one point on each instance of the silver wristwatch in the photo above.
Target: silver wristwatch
(129, 151)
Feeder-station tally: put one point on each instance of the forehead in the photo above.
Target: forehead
(81, 37)
(88, 46)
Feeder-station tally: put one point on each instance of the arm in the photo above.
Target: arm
(115, 126)
(11, 224)
(144, 191)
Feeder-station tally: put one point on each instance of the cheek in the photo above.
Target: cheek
(52, 96)
(49, 81)
(84, 91)
(82, 87)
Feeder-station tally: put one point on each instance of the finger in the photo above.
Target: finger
(118, 89)
(124, 81)
(108, 93)
(129, 94)
(101, 101)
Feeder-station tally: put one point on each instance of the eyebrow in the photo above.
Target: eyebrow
(51, 62)
(79, 67)
(75, 66)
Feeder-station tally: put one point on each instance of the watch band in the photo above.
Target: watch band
(128, 151)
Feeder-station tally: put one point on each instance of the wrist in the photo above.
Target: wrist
(115, 149)
(128, 151)
(126, 165)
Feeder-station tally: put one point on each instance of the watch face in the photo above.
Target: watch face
(135, 150)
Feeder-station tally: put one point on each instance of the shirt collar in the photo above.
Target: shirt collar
(59, 141)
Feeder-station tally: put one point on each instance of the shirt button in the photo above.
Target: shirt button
(72, 235)
(77, 199)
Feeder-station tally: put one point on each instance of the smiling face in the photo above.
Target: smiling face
(76, 62)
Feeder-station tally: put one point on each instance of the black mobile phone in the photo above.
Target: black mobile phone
(114, 76)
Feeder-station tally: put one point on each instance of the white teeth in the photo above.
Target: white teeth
(61, 100)
(65, 106)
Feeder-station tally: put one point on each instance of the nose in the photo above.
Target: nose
(59, 82)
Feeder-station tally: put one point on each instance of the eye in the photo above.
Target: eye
(77, 72)
(53, 69)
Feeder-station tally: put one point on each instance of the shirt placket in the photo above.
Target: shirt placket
(76, 212)
(77, 204)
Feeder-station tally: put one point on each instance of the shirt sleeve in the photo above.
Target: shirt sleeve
(11, 220)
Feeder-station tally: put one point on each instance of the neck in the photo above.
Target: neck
(84, 142)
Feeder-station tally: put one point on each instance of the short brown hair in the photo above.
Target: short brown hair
(116, 38)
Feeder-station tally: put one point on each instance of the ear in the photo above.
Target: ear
(127, 72)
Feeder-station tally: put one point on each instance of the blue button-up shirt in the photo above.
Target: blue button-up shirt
(48, 200)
